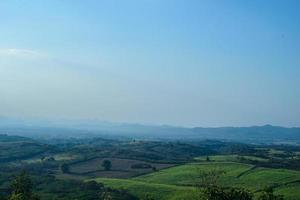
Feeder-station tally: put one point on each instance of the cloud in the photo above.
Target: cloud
(22, 53)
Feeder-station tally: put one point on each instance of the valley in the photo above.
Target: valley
(151, 169)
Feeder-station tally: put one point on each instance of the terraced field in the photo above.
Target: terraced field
(169, 183)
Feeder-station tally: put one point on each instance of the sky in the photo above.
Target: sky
(178, 62)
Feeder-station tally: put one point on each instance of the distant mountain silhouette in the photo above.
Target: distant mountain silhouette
(92, 128)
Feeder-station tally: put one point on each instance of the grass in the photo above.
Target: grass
(275, 151)
(263, 177)
(189, 173)
(176, 182)
(230, 158)
(66, 157)
(121, 168)
(155, 190)
(291, 191)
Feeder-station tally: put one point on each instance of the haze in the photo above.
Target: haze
(187, 63)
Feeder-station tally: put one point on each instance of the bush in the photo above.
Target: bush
(106, 164)
(64, 168)
(268, 194)
(220, 193)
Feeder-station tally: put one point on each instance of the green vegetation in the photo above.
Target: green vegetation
(220, 193)
(188, 174)
(290, 191)
(120, 168)
(268, 194)
(14, 150)
(106, 164)
(150, 170)
(21, 188)
(183, 178)
(157, 191)
(230, 158)
(48, 188)
(64, 168)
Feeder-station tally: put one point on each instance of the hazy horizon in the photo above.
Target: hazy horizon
(64, 122)
(181, 63)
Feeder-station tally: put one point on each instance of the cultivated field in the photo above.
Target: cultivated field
(121, 168)
(154, 190)
(230, 158)
(182, 178)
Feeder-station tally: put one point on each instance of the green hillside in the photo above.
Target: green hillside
(154, 190)
(177, 182)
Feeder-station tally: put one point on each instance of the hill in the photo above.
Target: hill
(177, 182)
(93, 128)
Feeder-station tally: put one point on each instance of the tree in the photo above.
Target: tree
(106, 196)
(21, 188)
(211, 189)
(268, 194)
(207, 159)
(148, 197)
(17, 197)
(106, 164)
(208, 178)
(64, 168)
(221, 193)
(238, 194)
(2, 198)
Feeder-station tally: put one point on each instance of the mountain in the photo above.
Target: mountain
(93, 128)
(256, 134)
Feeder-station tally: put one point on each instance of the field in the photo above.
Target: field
(121, 168)
(154, 190)
(230, 158)
(166, 183)
(148, 169)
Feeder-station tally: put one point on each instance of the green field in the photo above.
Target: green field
(159, 171)
(176, 182)
(230, 158)
(291, 191)
(155, 190)
(121, 168)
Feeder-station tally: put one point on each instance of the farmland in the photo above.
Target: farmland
(148, 169)
(182, 178)
(154, 190)
(121, 168)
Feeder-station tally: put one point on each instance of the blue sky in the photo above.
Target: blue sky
(191, 63)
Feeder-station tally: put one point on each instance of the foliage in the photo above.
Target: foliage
(235, 165)
(21, 188)
(148, 197)
(106, 164)
(221, 193)
(64, 168)
(209, 182)
(209, 178)
(2, 198)
(268, 194)
(156, 191)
